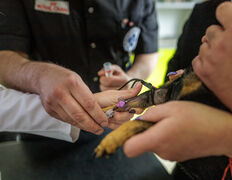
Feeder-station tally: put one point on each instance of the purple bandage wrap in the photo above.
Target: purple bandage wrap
(121, 104)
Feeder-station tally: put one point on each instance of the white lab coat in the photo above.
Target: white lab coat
(23, 112)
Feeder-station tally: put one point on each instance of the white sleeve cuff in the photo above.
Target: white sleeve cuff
(23, 112)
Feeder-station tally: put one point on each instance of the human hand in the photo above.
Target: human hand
(113, 82)
(174, 75)
(184, 130)
(213, 64)
(110, 97)
(66, 97)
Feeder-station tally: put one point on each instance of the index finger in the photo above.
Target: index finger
(86, 99)
(224, 14)
(155, 114)
(79, 115)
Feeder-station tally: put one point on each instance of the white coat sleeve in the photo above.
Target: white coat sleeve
(23, 112)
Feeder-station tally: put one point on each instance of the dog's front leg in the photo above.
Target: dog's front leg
(116, 138)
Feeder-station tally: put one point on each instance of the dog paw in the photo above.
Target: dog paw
(118, 137)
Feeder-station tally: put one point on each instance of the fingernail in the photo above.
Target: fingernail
(104, 124)
(138, 118)
(100, 131)
(132, 111)
(171, 73)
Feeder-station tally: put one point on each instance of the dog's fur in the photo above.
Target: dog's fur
(186, 87)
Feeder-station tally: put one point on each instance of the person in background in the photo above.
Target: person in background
(202, 16)
(73, 34)
(198, 129)
(56, 48)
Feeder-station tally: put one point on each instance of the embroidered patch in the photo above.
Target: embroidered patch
(61, 7)
(131, 39)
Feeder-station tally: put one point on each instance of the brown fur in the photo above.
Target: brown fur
(186, 87)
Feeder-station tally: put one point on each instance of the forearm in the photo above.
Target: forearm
(143, 66)
(14, 72)
(10, 62)
(18, 72)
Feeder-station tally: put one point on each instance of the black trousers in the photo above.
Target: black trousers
(48, 159)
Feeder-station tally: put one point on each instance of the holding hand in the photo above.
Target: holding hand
(113, 82)
(197, 131)
(108, 98)
(174, 75)
(66, 97)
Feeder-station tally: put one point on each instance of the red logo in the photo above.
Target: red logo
(61, 7)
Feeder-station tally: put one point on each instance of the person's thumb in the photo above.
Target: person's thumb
(132, 92)
(137, 144)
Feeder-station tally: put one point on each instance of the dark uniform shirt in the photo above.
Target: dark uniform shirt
(80, 35)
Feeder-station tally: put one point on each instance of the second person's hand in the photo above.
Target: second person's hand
(198, 131)
(113, 82)
(110, 97)
(66, 97)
